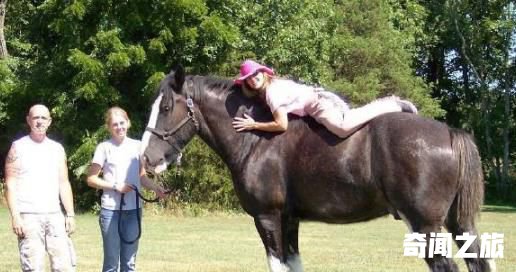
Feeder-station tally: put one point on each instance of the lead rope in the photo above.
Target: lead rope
(138, 217)
(178, 174)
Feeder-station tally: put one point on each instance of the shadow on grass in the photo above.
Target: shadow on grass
(499, 208)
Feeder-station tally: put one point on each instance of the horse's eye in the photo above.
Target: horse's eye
(166, 108)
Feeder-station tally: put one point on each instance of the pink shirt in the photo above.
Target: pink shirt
(292, 96)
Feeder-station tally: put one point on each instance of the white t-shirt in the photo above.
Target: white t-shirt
(292, 96)
(120, 164)
(37, 188)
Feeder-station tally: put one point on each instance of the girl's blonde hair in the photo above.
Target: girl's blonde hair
(116, 111)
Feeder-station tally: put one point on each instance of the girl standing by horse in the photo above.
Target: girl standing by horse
(119, 160)
(286, 96)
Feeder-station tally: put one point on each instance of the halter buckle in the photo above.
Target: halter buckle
(178, 159)
(189, 103)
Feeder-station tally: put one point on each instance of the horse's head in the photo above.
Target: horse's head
(172, 122)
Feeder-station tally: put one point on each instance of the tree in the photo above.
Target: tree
(93, 54)
(490, 68)
(372, 48)
(80, 57)
(469, 60)
(3, 46)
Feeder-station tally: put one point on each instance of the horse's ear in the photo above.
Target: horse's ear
(179, 75)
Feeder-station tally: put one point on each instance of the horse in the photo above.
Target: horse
(417, 169)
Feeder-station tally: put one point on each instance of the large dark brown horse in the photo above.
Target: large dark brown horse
(414, 168)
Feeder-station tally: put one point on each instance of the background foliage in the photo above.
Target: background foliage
(454, 59)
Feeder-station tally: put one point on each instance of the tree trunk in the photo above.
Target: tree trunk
(3, 46)
(506, 142)
(486, 120)
(505, 179)
(435, 71)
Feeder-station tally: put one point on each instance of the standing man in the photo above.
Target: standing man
(36, 176)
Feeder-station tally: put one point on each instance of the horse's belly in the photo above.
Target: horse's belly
(341, 217)
(341, 206)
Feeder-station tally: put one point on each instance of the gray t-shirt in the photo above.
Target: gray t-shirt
(120, 164)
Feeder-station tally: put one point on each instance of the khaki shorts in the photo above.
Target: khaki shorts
(46, 233)
(329, 111)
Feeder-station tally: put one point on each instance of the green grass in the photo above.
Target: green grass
(230, 243)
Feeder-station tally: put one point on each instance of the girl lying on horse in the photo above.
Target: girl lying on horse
(286, 96)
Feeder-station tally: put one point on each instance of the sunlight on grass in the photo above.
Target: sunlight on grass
(231, 243)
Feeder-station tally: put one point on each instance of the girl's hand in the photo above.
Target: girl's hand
(123, 188)
(160, 192)
(245, 123)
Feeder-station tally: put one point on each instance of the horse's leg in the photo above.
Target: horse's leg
(436, 263)
(270, 230)
(459, 228)
(290, 243)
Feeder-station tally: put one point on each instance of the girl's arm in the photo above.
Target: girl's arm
(149, 184)
(96, 182)
(279, 124)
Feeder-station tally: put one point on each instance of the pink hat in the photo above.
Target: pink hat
(249, 67)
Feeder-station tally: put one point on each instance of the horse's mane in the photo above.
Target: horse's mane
(197, 84)
(215, 84)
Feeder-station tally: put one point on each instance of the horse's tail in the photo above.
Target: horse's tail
(470, 195)
(469, 199)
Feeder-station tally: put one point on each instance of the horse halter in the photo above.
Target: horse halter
(165, 135)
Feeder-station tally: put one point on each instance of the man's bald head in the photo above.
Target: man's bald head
(38, 120)
(39, 110)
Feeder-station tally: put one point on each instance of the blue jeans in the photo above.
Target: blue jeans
(115, 250)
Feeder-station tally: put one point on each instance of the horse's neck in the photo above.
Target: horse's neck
(227, 148)
(218, 132)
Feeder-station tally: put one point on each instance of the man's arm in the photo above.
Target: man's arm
(66, 196)
(11, 175)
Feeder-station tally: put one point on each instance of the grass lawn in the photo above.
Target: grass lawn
(231, 243)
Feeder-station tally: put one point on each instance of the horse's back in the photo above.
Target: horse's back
(373, 171)
(411, 142)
